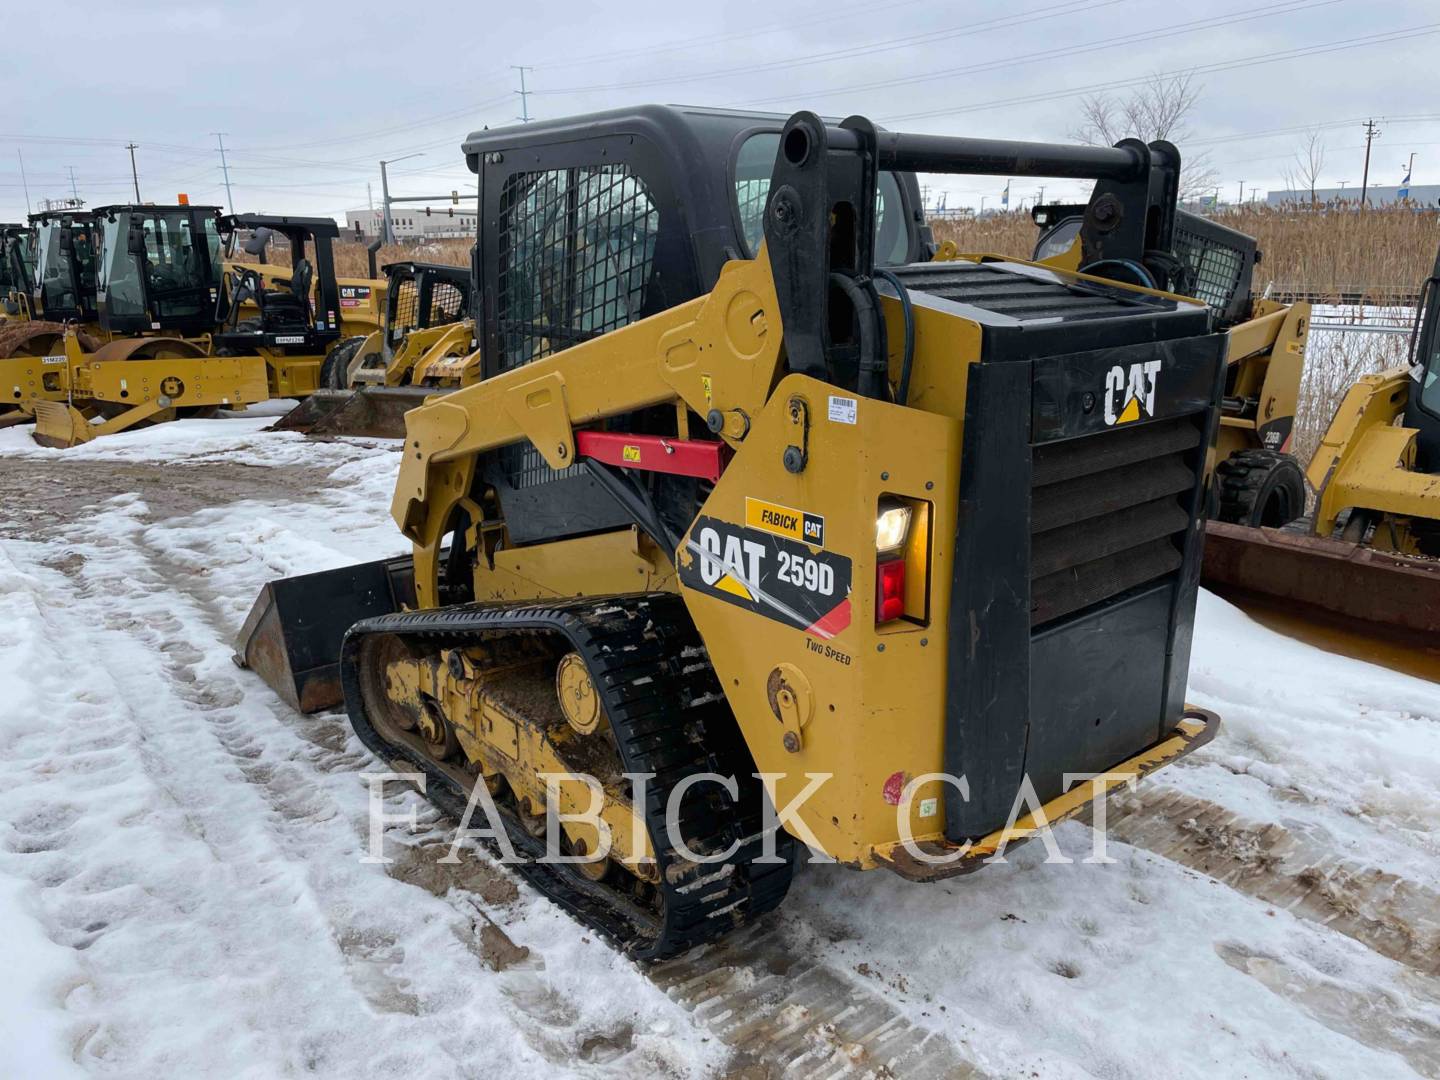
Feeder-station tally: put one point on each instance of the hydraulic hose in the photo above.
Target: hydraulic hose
(871, 380)
(902, 396)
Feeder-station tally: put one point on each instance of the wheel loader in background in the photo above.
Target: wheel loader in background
(169, 335)
(425, 346)
(1255, 479)
(750, 485)
(1372, 554)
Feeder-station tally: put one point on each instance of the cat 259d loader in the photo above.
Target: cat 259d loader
(753, 486)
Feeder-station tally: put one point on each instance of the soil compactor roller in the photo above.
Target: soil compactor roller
(735, 496)
(174, 331)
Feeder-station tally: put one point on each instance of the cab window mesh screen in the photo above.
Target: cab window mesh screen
(447, 303)
(577, 247)
(1216, 267)
(407, 307)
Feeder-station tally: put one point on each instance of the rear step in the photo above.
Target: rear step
(1377, 587)
(292, 636)
(374, 411)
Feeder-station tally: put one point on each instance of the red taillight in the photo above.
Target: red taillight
(889, 590)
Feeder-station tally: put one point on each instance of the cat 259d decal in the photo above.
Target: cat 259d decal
(770, 575)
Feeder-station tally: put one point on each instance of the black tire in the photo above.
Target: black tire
(335, 372)
(1259, 488)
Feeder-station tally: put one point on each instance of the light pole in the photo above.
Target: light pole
(389, 233)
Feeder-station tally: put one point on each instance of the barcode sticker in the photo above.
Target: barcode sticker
(842, 409)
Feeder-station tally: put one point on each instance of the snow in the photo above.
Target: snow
(183, 892)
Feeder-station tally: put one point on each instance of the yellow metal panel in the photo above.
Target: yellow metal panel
(878, 696)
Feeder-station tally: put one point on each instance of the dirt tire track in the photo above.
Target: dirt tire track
(1384, 912)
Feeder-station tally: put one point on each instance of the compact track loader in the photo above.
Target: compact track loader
(425, 346)
(174, 334)
(752, 486)
(1372, 553)
(1255, 480)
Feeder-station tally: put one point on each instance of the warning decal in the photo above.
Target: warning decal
(770, 575)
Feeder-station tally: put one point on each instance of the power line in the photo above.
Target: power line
(869, 48)
(1383, 38)
(1213, 22)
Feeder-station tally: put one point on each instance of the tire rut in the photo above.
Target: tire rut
(1383, 911)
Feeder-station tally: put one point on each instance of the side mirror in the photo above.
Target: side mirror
(135, 240)
(258, 241)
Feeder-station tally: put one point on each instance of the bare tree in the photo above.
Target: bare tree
(1309, 162)
(1158, 108)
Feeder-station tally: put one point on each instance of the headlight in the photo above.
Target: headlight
(891, 528)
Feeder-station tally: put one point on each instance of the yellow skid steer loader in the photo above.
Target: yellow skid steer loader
(761, 525)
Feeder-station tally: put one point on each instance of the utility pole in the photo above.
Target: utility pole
(225, 168)
(1039, 199)
(1253, 190)
(387, 229)
(23, 181)
(133, 174)
(524, 116)
(1240, 201)
(1371, 132)
(73, 190)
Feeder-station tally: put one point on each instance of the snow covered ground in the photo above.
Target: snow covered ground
(182, 891)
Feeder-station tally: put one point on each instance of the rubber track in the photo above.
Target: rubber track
(669, 718)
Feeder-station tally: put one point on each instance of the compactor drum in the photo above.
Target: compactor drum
(760, 526)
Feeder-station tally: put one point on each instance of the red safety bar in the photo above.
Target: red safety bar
(655, 453)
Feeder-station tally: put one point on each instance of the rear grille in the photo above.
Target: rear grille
(1108, 513)
(1005, 291)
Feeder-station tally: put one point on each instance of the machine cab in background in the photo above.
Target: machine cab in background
(66, 243)
(159, 269)
(1422, 411)
(17, 269)
(298, 311)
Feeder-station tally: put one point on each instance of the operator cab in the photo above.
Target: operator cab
(605, 219)
(159, 268)
(420, 296)
(298, 314)
(66, 242)
(1422, 410)
(17, 268)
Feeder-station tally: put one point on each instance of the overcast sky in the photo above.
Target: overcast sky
(312, 93)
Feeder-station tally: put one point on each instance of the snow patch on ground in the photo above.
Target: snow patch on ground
(183, 893)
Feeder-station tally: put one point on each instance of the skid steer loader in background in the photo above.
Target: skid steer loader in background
(1255, 480)
(1372, 554)
(173, 326)
(426, 346)
(751, 486)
